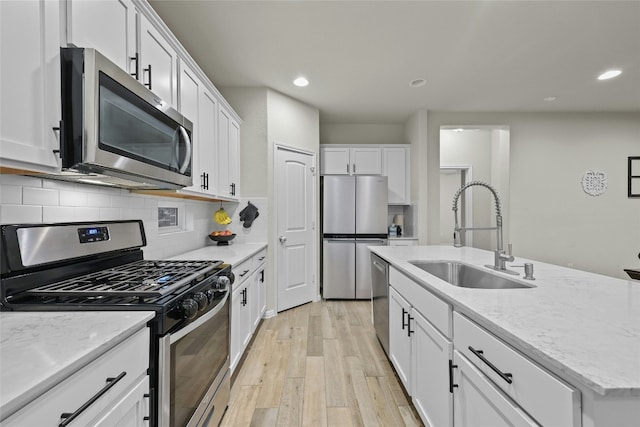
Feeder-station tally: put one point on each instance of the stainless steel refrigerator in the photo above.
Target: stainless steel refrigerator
(354, 216)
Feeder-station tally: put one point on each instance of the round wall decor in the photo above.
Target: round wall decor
(594, 183)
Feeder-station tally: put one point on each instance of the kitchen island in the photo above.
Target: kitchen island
(582, 327)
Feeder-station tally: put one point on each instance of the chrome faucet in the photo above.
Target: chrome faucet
(500, 258)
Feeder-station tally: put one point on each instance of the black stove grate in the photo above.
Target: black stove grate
(133, 281)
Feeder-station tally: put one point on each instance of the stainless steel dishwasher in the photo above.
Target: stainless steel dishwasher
(380, 286)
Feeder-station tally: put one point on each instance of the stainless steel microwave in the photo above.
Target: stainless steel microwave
(115, 131)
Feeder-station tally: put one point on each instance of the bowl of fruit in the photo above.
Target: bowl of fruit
(222, 237)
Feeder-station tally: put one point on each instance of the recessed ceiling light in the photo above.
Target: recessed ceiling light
(301, 82)
(550, 98)
(609, 74)
(417, 83)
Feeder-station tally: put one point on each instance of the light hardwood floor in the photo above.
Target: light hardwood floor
(319, 364)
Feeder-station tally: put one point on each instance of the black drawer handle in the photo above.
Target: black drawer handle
(409, 319)
(504, 375)
(244, 273)
(68, 417)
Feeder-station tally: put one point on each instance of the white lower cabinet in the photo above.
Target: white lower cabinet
(240, 322)
(420, 355)
(248, 304)
(431, 354)
(399, 337)
(479, 403)
(543, 396)
(111, 390)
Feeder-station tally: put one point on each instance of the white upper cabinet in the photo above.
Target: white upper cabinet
(392, 161)
(395, 166)
(108, 26)
(158, 63)
(207, 143)
(342, 160)
(30, 85)
(228, 155)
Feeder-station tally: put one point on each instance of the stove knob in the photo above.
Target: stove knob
(189, 308)
(201, 299)
(211, 294)
(222, 283)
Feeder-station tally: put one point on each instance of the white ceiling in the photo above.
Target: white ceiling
(475, 56)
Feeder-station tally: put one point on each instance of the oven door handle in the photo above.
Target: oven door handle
(199, 321)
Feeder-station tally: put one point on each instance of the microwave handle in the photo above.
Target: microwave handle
(187, 158)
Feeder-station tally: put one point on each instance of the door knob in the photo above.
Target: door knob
(282, 239)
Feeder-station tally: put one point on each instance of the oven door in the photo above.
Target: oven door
(194, 370)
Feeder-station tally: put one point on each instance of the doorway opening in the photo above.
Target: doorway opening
(485, 150)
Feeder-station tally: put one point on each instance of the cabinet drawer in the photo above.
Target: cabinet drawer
(242, 271)
(548, 399)
(430, 306)
(259, 258)
(130, 357)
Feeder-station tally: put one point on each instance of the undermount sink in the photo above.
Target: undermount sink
(467, 276)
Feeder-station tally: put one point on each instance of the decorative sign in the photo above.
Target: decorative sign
(594, 182)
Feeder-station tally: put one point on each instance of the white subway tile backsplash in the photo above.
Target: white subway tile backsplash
(86, 214)
(35, 200)
(110, 214)
(127, 202)
(73, 198)
(39, 196)
(98, 200)
(58, 214)
(11, 194)
(16, 214)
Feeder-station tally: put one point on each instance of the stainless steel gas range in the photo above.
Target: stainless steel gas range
(100, 266)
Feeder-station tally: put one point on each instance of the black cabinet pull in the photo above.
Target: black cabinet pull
(403, 314)
(148, 70)
(204, 180)
(262, 276)
(409, 319)
(243, 273)
(136, 69)
(504, 375)
(451, 368)
(244, 297)
(68, 417)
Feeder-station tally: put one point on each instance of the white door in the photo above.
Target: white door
(295, 209)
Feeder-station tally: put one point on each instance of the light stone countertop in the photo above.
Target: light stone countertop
(40, 349)
(583, 326)
(232, 254)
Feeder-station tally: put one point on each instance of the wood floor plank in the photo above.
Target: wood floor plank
(386, 410)
(361, 392)
(298, 353)
(274, 374)
(314, 409)
(240, 411)
(409, 416)
(264, 417)
(314, 336)
(336, 378)
(290, 410)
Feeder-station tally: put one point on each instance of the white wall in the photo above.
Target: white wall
(270, 118)
(359, 133)
(552, 219)
(34, 200)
